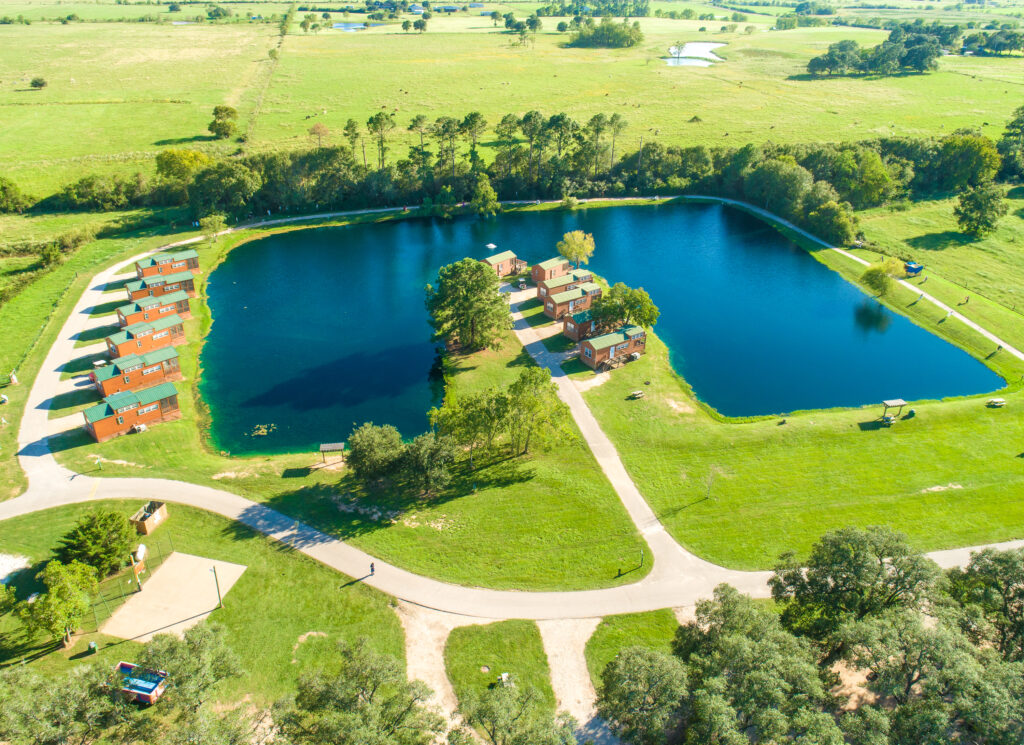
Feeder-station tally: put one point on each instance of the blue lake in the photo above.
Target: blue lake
(317, 330)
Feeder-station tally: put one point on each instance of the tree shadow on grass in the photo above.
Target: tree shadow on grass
(315, 514)
(186, 140)
(940, 241)
(523, 359)
(1016, 192)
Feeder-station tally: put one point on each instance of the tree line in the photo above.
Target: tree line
(940, 656)
(548, 157)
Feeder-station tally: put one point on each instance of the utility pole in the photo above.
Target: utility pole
(216, 581)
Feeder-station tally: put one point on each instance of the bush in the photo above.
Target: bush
(102, 540)
(11, 198)
(38, 83)
(374, 451)
(876, 279)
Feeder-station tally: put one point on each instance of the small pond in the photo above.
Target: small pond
(317, 330)
(353, 26)
(694, 54)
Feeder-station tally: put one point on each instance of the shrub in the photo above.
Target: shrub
(38, 83)
(101, 539)
(876, 279)
(11, 198)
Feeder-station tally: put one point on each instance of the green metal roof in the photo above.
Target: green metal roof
(567, 279)
(582, 317)
(589, 287)
(171, 297)
(159, 279)
(158, 324)
(564, 297)
(615, 337)
(498, 258)
(163, 258)
(133, 286)
(120, 364)
(117, 401)
(552, 263)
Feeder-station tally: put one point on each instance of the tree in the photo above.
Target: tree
(832, 222)
(979, 209)
(380, 125)
(472, 421)
(101, 539)
(851, 574)
(406, 25)
(38, 83)
(420, 126)
(362, 697)
(534, 23)
(466, 305)
(990, 590)
(532, 125)
(534, 409)
(640, 695)
(213, 225)
(373, 451)
(319, 132)
(195, 664)
(446, 130)
(616, 125)
(70, 708)
(420, 24)
(354, 136)
(226, 187)
(562, 27)
(1011, 146)
(876, 279)
(514, 714)
(427, 460)
(622, 305)
(472, 126)
(495, 18)
(577, 247)
(749, 679)
(11, 198)
(62, 608)
(179, 165)
(966, 160)
(596, 127)
(223, 125)
(485, 199)
(779, 185)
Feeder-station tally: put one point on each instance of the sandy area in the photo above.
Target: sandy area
(594, 382)
(9, 564)
(180, 593)
(681, 407)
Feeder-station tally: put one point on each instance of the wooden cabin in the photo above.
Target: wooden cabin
(140, 338)
(151, 308)
(505, 263)
(550, 269)
(135, 371)
(168, 263)
(579, 298)
(123, 412)
(578, 326)
(562, 282)
(160, 285)
(618, 346)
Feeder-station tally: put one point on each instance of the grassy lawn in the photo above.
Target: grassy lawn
(550, 521)
(73, 401)
(282, 596)
(654, 630)
(476, 656)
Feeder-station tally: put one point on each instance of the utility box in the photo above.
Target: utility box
(149, 518)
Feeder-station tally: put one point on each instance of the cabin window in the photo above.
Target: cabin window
(147, 409)
(543, 292)
(138, 343)
(570, 326)
(622, 347)
(167, 309)
(149, 370)
(161, 335)
(168, 288)
(120, 420)
(177, 264)
(551, 306)
(587, 352)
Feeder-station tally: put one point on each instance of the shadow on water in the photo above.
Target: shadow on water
(872, 317)
(348, 509)
(347, 381)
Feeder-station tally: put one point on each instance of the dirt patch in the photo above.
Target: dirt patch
(346, 503)
(680, 407)
(440, 523)
(98, 459)
(11, 563)
(852, 687)
(594, 382)
(302, 640)
(231, 475)
(940, 487)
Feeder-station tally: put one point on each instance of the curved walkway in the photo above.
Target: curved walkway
(679, 578)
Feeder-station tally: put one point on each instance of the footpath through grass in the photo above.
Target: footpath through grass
(550, 521)
(476, 656)
(284, 615)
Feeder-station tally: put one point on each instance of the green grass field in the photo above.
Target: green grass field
(280, 598)
(654, 630)
(476, 656)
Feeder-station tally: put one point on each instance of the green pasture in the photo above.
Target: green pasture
(654, 630)
(280, 598)
(110, 11)
(476, 656)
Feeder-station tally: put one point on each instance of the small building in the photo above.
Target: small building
(578, 326)
(168, 263)
(618, 346)
(562, 282)
(122, 412)
(505, 263)
(151, 308)
(135, 371)
(140, 338)
(571, 301)
(549, 269)
(141, 684)
(161, 284)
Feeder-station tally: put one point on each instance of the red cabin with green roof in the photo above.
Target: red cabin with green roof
(505, 263)
(160, 285)
(573, 300)
(578, 326)
(562, 282)
(140, 338)
(550, 269)
(629, 342)
(152, 308)
(135, 371)
(120, 413)
(168, 263)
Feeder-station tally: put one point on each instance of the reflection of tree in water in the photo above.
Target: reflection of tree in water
(871, 316)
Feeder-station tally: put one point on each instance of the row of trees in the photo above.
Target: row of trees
(607, 34)
(916, 53)
(943, 655)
